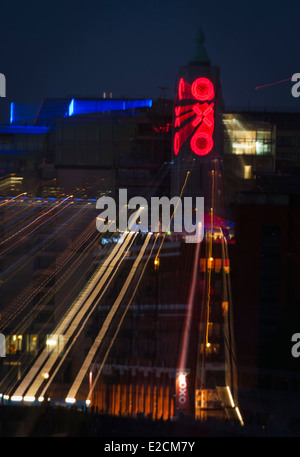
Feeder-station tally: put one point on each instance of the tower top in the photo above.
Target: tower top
(200, 56)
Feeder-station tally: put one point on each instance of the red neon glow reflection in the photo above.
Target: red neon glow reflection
(202, 114)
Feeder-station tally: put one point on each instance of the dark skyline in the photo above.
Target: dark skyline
(134, 48)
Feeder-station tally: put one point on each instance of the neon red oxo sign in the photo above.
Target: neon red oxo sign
(182, 392)
(196, 118)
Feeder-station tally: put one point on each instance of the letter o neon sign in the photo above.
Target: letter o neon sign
(182, 383)
(201, 143)
(203, 89)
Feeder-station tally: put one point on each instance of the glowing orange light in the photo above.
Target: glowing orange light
(181, 378)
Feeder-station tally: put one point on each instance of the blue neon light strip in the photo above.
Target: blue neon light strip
(7, 152)
(26, 129)
(98, 106)
(71, 107)
(21, 113)
(11, 112)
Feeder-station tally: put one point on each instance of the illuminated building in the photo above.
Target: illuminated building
(101, 144)
(249, 151)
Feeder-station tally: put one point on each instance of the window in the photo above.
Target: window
(247, 138)
(247, 171)
(14, 343)
(31, 343)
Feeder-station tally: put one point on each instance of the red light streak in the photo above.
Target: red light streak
(188, 321)
(273, 84)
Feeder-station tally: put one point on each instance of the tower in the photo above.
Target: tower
(197, 131)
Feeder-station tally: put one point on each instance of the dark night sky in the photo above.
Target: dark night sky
(132, 47)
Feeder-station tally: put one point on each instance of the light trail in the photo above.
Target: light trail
(210, 254)
(13, 213)
(60, 282)
(171, 218)
(84, 323)
(231, 374)
(62, 279)
(32, 222)
(75, 313)
(120, 323)
(13, 268)
(47, 221)
(92, 352)
(188, 320)
(183, 352)
(12, 199)
(35, 221)
(273, 84)
(20, 302)
(35, 287)
(17, 219)
(27, 319)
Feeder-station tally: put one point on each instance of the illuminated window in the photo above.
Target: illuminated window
(247, 171)
(31, 343)
(14, 344)
(245, 138)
